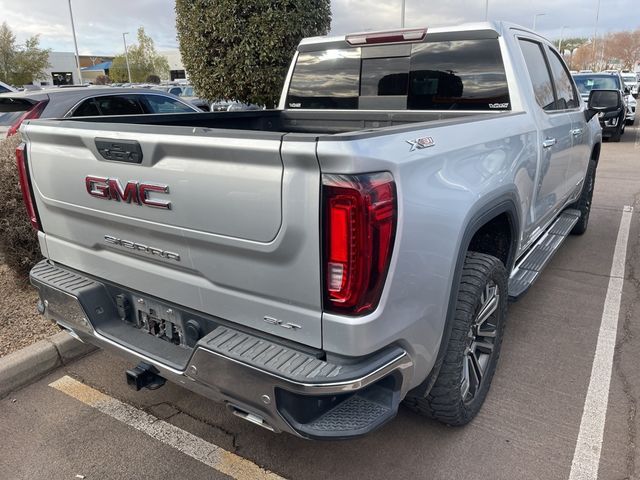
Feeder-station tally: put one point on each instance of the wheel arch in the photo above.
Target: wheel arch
(504, 206)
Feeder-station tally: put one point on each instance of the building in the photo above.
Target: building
(176, 68)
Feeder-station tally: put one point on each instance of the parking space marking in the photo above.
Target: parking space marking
(586, 457)
(212, 455)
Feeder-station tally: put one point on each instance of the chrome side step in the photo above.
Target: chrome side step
(528, 268)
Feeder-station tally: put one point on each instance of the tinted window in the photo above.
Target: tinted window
(565, 93)
(11, 109)
(118, 105)
(539, 74)
(326, 79)
(161, 104)
(461, 75)
(176, 91)
(384, 76)
(4, 89)
(88, 108)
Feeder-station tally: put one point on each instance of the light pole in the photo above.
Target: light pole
(75, 42)
(595, 34)
(535, 19)
(486, 10)
(402, 9)
(561, 38)
(126, 55)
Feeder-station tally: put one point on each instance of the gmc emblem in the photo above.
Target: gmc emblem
(132, 192)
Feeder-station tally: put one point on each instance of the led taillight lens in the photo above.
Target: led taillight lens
(25, 186)
(359, 224)
(34, 112)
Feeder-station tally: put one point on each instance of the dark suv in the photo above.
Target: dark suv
(613, 123)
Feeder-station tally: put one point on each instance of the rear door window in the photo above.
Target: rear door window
(162, 104)
(88, 108)
(539, 74)
(118, 105)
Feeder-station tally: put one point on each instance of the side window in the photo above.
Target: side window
(565, 91)
(539, 74)
(175, 91)
(119, 105)
(162, 104)
(87, 108)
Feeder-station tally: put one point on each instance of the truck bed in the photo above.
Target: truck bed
(292, 121)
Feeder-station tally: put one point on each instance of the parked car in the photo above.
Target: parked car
(81, 102)
(631, 80)
(613, 123)
(632, 104)
(313, 266)
(6, 88)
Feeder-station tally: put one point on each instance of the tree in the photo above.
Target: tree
(21, 64)
(103, 80)
(622, 49)
(143, 61)
(240, 50)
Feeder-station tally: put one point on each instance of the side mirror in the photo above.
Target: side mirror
(603, 101)
(627, 90)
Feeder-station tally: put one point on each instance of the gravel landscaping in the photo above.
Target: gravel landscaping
(20, 322)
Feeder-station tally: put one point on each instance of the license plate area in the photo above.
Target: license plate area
(161, 320)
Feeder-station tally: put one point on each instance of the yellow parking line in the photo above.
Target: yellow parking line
(212, 455)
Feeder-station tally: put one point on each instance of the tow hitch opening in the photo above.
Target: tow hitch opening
(144, 376)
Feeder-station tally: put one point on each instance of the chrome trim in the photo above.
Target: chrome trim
(401, 362)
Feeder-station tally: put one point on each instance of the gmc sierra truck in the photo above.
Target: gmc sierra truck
(315, 265)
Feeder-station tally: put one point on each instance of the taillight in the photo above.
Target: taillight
(34, 112)
(393, 36)
(359, 224)
(25, 186)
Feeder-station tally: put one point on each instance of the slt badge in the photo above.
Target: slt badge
(421, 143)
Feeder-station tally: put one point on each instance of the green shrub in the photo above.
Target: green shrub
(19, 247)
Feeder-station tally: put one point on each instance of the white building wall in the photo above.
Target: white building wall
(61, 62)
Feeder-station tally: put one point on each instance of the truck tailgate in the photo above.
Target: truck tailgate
(220, 221)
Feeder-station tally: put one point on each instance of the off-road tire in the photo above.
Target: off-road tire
(584, 202)
(445, 401)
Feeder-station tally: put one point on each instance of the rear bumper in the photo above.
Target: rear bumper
(282, 387)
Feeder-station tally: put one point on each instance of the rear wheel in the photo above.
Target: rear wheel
(474, 346)
(584, 202)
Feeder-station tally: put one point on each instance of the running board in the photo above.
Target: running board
(528, 268)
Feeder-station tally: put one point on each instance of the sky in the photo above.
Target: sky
(99, 24)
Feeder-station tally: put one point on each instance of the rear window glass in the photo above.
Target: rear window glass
(586, 83)
(11, 109)
(118, 105)
(4, 89)
(326, 79)
(443, 75)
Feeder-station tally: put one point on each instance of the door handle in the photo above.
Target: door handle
(549, 142)
(576, 132)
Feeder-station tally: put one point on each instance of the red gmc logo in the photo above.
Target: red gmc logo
(132, 192)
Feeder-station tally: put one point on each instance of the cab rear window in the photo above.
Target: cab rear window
(440, 75)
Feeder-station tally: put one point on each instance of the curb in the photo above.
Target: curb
(24, 366)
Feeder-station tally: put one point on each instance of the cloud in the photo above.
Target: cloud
(99, 24)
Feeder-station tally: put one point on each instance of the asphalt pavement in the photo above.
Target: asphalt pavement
(82, 420)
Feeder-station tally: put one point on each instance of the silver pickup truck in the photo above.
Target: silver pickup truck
(315, 265)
